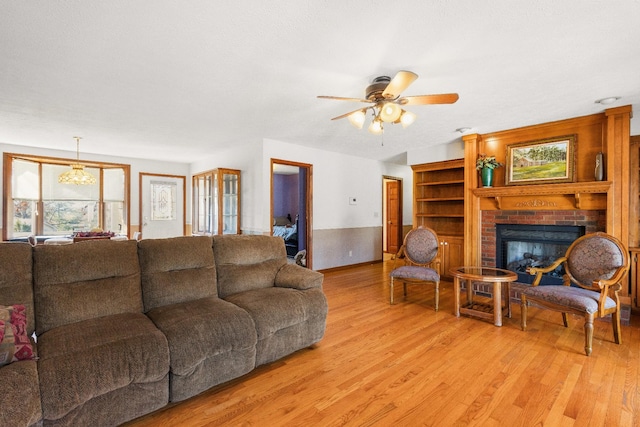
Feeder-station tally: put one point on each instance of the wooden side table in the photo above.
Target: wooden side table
(488, 311)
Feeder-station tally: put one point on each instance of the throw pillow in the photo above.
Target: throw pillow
(14, 342)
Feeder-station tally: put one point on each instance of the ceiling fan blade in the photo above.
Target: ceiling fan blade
(444, 98)
(347, 114)
(398, 84)
(341, 98)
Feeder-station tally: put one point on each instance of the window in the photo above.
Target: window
(35, 203)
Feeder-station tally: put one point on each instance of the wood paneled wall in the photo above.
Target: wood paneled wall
(607, 132)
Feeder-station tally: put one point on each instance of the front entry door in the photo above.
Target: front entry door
(162, 205)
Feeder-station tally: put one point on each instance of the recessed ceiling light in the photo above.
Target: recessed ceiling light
(607, 101)
(463, 130)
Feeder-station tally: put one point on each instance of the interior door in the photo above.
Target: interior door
(162, 205)
(394, 223)
(304, 202)
(392, 214)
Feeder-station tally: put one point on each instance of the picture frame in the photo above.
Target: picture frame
(544, 161)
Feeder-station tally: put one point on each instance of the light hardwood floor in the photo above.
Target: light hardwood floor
(406, 365)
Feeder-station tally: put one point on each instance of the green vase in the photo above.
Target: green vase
(487, 177)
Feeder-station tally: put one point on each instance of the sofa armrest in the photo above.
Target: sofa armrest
(297, 277)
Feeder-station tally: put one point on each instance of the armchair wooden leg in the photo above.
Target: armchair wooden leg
(615, 321)
(391, 292)
(565, 320)
(588, 333)
(437, 296)
(523, 312)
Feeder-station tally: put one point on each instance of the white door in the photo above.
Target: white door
(162, 205)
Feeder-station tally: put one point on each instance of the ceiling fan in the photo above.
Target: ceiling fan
(384, 93)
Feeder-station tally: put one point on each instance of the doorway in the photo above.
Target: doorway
(391, 215)
(291, 208)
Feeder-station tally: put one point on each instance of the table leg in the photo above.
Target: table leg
(508, 299)
(497, 303)
(469, 285)
(456, 296)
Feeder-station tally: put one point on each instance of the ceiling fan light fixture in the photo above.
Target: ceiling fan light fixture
(376, 127)
(390, 112)
(357, 118)
(407, 118)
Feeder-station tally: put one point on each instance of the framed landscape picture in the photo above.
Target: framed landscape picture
(541, 162)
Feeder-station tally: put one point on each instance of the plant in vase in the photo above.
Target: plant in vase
(486, 164)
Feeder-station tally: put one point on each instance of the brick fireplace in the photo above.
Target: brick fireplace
(592, 220)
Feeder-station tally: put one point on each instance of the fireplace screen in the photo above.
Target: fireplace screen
(519, 247)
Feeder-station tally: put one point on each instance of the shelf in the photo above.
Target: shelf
(441, 199)
(576, 195)
(456, 181)
(425, 215)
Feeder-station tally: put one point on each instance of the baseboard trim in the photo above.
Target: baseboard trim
(346, 267)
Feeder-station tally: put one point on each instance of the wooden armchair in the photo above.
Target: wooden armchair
(421, 262)
(596, 263)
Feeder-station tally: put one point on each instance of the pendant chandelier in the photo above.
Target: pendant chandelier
(77, 175)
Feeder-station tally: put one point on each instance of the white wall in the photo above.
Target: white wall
(137, 166)
(436, 153)
(336, 178)
(339, 228)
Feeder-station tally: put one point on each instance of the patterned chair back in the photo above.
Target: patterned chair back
(594, 257)
(421, 245)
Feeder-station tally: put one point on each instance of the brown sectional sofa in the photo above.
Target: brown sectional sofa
(123, 328)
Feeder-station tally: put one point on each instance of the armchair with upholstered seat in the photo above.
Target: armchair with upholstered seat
(595, 264)
(419, 252)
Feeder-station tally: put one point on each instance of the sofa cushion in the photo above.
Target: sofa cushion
(176, 270)
(84, 281)
(19, 386)
(16, 278)
(286, 319)
(14, 341)
(20, 394)
(275, 308)
(83, 360)
(201, 330)
(247, 262)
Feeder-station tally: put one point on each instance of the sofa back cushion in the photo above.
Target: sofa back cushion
(175, 270)
(16, 278)
(85, 280)
(246, 262)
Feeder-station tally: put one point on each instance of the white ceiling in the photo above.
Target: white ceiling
(174, 80)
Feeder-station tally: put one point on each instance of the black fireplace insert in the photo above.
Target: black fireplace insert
(520, 246)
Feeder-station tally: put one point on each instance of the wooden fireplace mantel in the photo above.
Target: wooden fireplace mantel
(576, 195)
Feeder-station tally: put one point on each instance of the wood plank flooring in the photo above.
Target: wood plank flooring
(407, 365)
